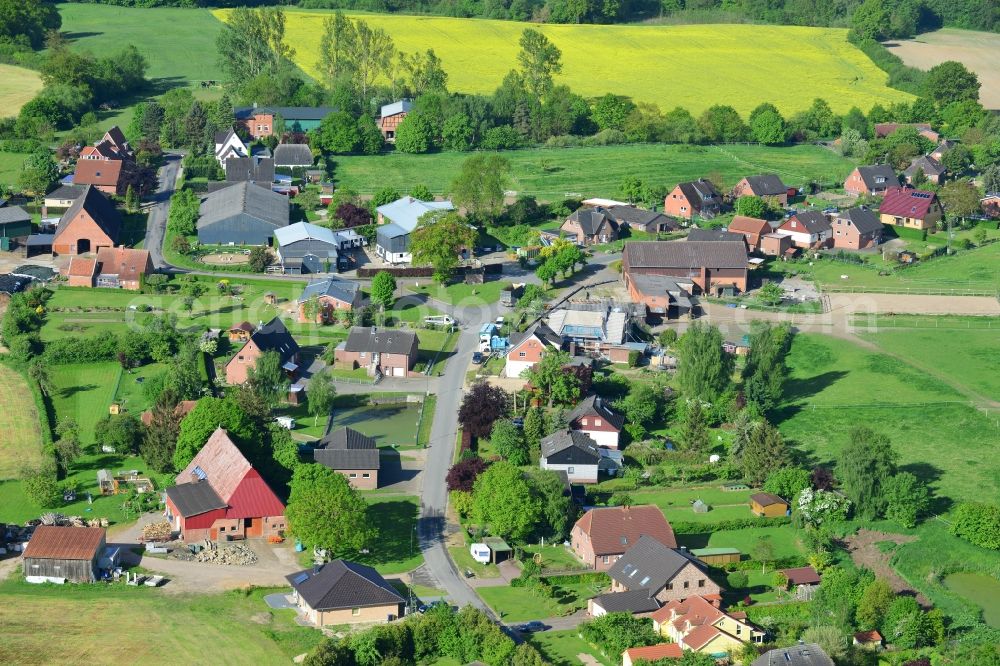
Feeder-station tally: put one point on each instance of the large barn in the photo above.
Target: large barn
(243, 214)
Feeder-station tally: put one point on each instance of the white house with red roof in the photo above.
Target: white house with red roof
(219, 495)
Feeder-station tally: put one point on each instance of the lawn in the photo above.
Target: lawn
(460, 293)
(835, 385)
(518, 604)
(556, 558)
(17, 86)
(676, 503)
(561, 648)
(967, 357)
(130, 395)
(397, 548)
(391, 425)
(83, 392)
(666, 65)
(10, 166)
(463, 560)
(148, 626)
(21, 443)
(183, 55)
(784, 539)
(553, 174)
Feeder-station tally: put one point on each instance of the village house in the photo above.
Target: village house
(256, 169)
(715, 267)
(768, 505)
(352, 454)
(696, 198)
(943, 148)
(111, 177)
(396, 221)
(526, 348)
(219, 496)
(666, 574)
(110, 147)
(56, 554)
(767, 186)
(322, 299)
(15, 226)
(304, 247)
(751, 228)
(389, 352)
(868, 640)
(81, 271)
(883, 130)
(88, 225)
(593, 329)
(991, 204)
(590, 226)
(698, 234)
(697, 624)
(241, 332)
(803, 581)
(871, 181)
(640, 219)
(572, 452)
(803, 654)
(808, 229)
(651, 653)
(271, 337)
(663, 297)
(63, 196)
(228, 144)
(593, 417)
(342, 592)
(390, 117)
(856, 229)
(909, 208)
(122, 268)
(241, 214)
(776, 245)
(260, 122)
(182, 409)
(293, 155)
(932, 169)
(602, 535)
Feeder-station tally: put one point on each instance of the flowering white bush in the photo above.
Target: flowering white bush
(816, 506)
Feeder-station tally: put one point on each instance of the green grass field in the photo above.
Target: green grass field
(17, 86)
(835, 385)
(83, 392)
(556, 173)
(561, 648)
(21, 442)
(518, 604)
(10, 167)
(693, 66)
(967, 357)
(179, 56)
(147, 625)
(784, 538)
(397, 548)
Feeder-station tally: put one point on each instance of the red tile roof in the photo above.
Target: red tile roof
(64, 543)
(694, 609)
(749, 225)
(614, 530)
(868, 637)
(81, 267)
(698, 637)
(802, 576)
(126, 263)
(907, 202)
(654, 652)
(97, 172)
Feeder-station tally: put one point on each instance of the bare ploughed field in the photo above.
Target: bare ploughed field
(976, 50)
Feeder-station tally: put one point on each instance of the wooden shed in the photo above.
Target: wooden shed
(59, 554)
(717, 556)
(768, 505)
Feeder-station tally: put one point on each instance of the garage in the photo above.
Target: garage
(399, 372)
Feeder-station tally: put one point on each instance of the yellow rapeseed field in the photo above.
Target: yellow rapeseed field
(693, 66)
(17, 86)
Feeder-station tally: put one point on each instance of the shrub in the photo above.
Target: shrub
(978, 523)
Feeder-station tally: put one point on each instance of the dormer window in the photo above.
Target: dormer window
(880, 179)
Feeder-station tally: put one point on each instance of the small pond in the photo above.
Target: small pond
(980, 589)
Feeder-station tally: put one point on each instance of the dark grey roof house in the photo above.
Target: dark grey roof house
(932, 168)
(863, 218)
(573, 452)
(640, 219)
(293, 155)
(345, 291)
(686, 254)
(632, 601)
(256, 169)
(242, 214)
(878, 177)
(591, 225)
(381, 341)
(812, 221)
(344, 592)
(805, 654)
(347, 449)
(651, 566)
(594, 405)
(713, 235)
(306, 248)
(703, 196)
(767, 185)
(193, 499)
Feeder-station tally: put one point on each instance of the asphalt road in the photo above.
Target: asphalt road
(156, 224)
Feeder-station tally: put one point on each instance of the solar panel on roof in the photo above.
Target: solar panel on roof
(200, 473)
(921, 195)
(301, 578)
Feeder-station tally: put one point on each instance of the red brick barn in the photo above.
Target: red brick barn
(715, 267)
(88, 225)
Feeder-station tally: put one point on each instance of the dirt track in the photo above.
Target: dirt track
(865, 553)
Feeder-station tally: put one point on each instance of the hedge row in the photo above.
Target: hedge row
(686, 527)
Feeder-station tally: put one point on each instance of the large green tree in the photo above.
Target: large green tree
(865, 466)
(508, 442)
(539, 59)
(550, 378)
(764, 372)
(704, 370)
(252, 42)
(38, 172)
(480, 186)
(503, 501)
(767, 125)
(267, 378)
(321, 395)
(640, 407)
(437, 241)
(950, 82)
(383, 291)
(325, 511)
(27, 21)
(202, 421)
(764, 453)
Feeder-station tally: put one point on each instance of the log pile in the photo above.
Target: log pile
(156, 532)
(66, 521)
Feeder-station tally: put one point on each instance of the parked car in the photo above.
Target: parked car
(529, 627)
(477, 357)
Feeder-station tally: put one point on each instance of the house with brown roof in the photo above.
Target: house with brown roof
(803, 581)
(219, 495)
(932, 169)
(640, 219)
(991, 204)
(271, 337)
(113, 146)
(856, 228)
(697, 624)
(241, 332)
(182, 409)
(602, 535)
(595, 418)
(714, 267)
(527, 348)
(766, 186)
(696, 198)
(808, 229)
(389, 352)
(871, 181)
(111, 177)
(122, 268)
(910, 208)
(88, 225)
(342, 592)
(81, 271)
(664, 297)
(590, 226)
(664, 573)
(651, 653)
(868, 640)
(751, 228)
(356, 456)
(58, 554)
(943, 148)
(768, 505)
(883, 130)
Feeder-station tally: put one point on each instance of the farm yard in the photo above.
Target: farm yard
(555, 173)
(17, 86)
(665, 65)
